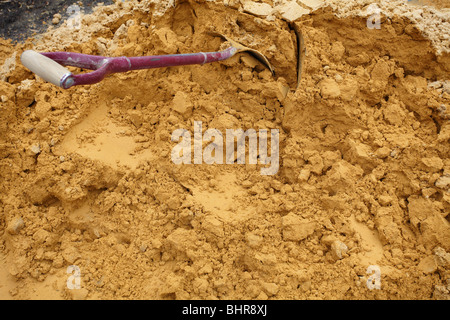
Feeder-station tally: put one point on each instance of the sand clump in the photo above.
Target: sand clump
(87, 178)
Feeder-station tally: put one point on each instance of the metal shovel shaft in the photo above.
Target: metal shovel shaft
(104, 66)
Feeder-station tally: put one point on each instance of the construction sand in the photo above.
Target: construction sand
(93, 207)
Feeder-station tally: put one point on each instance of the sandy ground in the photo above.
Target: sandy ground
(93, 207)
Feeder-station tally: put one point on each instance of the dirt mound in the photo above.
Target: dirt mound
(87, 180)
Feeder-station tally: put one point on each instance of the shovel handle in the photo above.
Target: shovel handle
(50, 65)
(46, 68)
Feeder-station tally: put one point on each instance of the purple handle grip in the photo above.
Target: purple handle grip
(104, 66)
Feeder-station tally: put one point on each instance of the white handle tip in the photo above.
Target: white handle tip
(44, 67)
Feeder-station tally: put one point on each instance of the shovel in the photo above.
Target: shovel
(50, 65)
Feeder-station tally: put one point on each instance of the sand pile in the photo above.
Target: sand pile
(87, 180)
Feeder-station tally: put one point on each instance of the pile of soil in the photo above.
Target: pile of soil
(87, 180)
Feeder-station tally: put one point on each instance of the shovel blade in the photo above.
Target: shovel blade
(241, 48)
